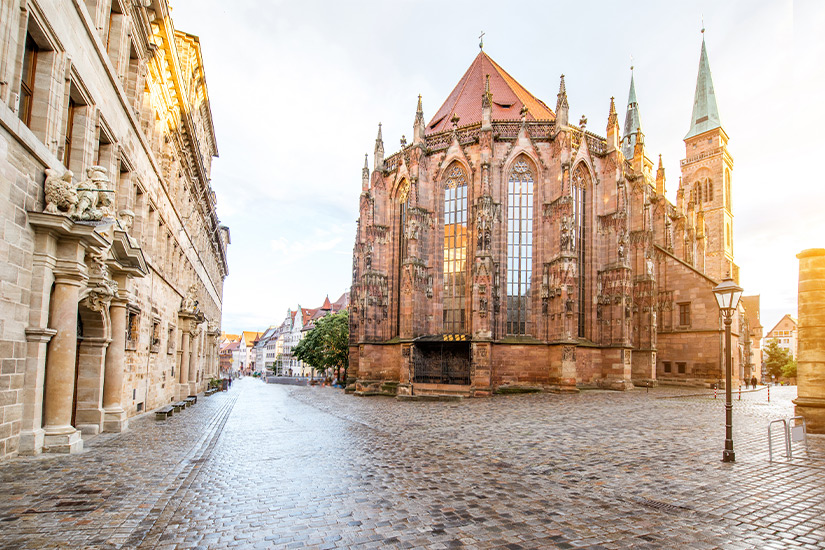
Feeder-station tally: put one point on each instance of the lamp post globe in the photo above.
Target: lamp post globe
(727, 295)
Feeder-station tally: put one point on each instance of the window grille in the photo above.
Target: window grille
(132, 329)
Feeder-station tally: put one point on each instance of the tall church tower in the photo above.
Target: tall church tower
(706, 178)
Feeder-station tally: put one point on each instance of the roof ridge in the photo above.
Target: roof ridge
(463, 101)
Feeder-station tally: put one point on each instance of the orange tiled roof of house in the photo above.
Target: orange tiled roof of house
(250, 337)
(233, 337)
(508, 98)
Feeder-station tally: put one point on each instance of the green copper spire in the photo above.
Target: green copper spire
(705, 114)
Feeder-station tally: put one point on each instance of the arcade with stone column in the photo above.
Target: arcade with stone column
(112, 256)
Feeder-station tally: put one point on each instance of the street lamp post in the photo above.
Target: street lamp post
(727, 295)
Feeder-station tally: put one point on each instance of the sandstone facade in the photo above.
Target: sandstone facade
(113, 258)
(508, 249)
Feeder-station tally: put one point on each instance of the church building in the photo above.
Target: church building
(506, 248)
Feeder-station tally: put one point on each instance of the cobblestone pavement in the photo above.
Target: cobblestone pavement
(272, 466)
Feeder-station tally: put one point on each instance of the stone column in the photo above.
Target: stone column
(183, 387)
(31, 433)
(114, 417)
(193, 363)
(810, 402)
(59, 434)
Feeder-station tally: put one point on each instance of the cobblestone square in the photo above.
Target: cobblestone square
(271, 466)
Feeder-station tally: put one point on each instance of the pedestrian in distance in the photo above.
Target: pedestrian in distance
(753, 381)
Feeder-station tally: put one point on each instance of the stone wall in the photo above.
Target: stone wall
(696, 346)
(521, 365)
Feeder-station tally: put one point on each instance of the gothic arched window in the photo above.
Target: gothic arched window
(455, 250)
(519, 247)
(579, 191)
(403, 204)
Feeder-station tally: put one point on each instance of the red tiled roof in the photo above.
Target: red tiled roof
(231, 346)
(326, 304)
(508, 98)
(306, 314)
(341, 303)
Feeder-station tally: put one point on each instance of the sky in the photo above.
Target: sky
(297, 89)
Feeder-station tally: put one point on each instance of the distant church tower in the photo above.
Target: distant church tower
(706, 180)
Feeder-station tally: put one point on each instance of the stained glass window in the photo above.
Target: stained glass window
(455, 251)
(579, 189)
(519, 247)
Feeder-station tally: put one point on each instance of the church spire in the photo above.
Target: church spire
(378, 163)
(365, 174)
(612, 127)
(562, 108)
(705, 113)
(660, 178)
(632, 121)
(418, 126)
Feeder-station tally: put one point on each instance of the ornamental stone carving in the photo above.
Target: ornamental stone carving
(487, 212)
(61, 195)
(100, 295)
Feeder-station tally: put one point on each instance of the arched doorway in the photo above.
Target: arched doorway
(93, 339)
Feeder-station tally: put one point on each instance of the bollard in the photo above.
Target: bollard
(769, 394)
(715, 389)
(740, 392)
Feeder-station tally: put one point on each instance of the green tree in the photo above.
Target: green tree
(327, 345)
(776, 358)
(789, 370)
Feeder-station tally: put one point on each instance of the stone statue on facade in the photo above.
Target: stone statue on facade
(95, 200)
(101, 287)
(190, 301)
(61, 195)
(126, 219)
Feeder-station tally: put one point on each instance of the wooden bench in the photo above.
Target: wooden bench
(191, 400)
(164, 413)
(210, 391)
(179, 405)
